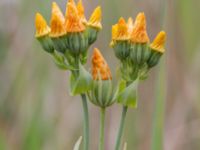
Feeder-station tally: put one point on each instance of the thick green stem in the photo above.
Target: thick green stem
(121, 128)
(86, 123)
(102, 126)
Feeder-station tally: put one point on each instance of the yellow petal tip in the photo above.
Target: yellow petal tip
(73, 21)
(139, 33)
(95, 19)
(57, 21)
(159, 42)
(100, 68)
(41, 26)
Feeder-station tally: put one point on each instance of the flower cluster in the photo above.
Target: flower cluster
(131, 45)
(68, 39)
(69, 36)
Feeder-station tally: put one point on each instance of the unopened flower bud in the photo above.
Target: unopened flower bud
(77, 37)
(94, 25)
(58, 32)
(120, 39)
(139, 41)
(157, 49)
(42, 33)
(102, 90)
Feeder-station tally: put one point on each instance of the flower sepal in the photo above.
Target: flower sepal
(121, 49)
(82, 83)
(60, 43)
(127, 95)
(154, 58)
(92, 34)
(139, 53)
(77, 42)
(46, 43)
(102, 94)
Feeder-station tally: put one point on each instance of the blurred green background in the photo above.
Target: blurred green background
(37, 112)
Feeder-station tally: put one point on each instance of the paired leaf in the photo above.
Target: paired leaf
(128, 95)
(82, 83)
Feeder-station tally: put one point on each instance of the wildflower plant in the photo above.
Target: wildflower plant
(68, 39)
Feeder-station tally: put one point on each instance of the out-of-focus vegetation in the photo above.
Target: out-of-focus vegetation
(36, 110)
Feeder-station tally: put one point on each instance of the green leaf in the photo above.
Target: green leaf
(83, 83)
(78, 143)
(128, 96)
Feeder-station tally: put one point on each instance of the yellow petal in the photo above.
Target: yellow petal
(139, 34)
(122, 31)
(57, 21)
(81, 11)
(73, 22)
(71, 2)
(114, 31)
(159, 42)
(95, 19)
(100, 67)
(41, 26)
(130, 25)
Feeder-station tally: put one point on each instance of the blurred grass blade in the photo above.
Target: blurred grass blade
(159, 111)
(125, 146)
(78, 143)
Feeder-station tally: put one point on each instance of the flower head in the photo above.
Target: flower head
(42, 28)
(100, 69)
(73, 22)
(57, 21)
(139, 33)
(159, 42)
(81, 11)
(95, 19)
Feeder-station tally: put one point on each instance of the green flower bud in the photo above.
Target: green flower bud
(42, 33)
(46, 43)
(139, 53)
(154, 58)
(157, 49)
(102, 93)
(77, 42)
(92, 34)
(121, 49)
(60, 44)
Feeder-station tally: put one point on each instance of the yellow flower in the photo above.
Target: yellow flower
(73, 22)
(139, 33)
(159, 42)
(81, 11)
(100, 69)
(42, 28)
(57, 21)
(95, 19)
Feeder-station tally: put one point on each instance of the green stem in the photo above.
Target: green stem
(86, 123)
(102, 126)
(121, 128)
